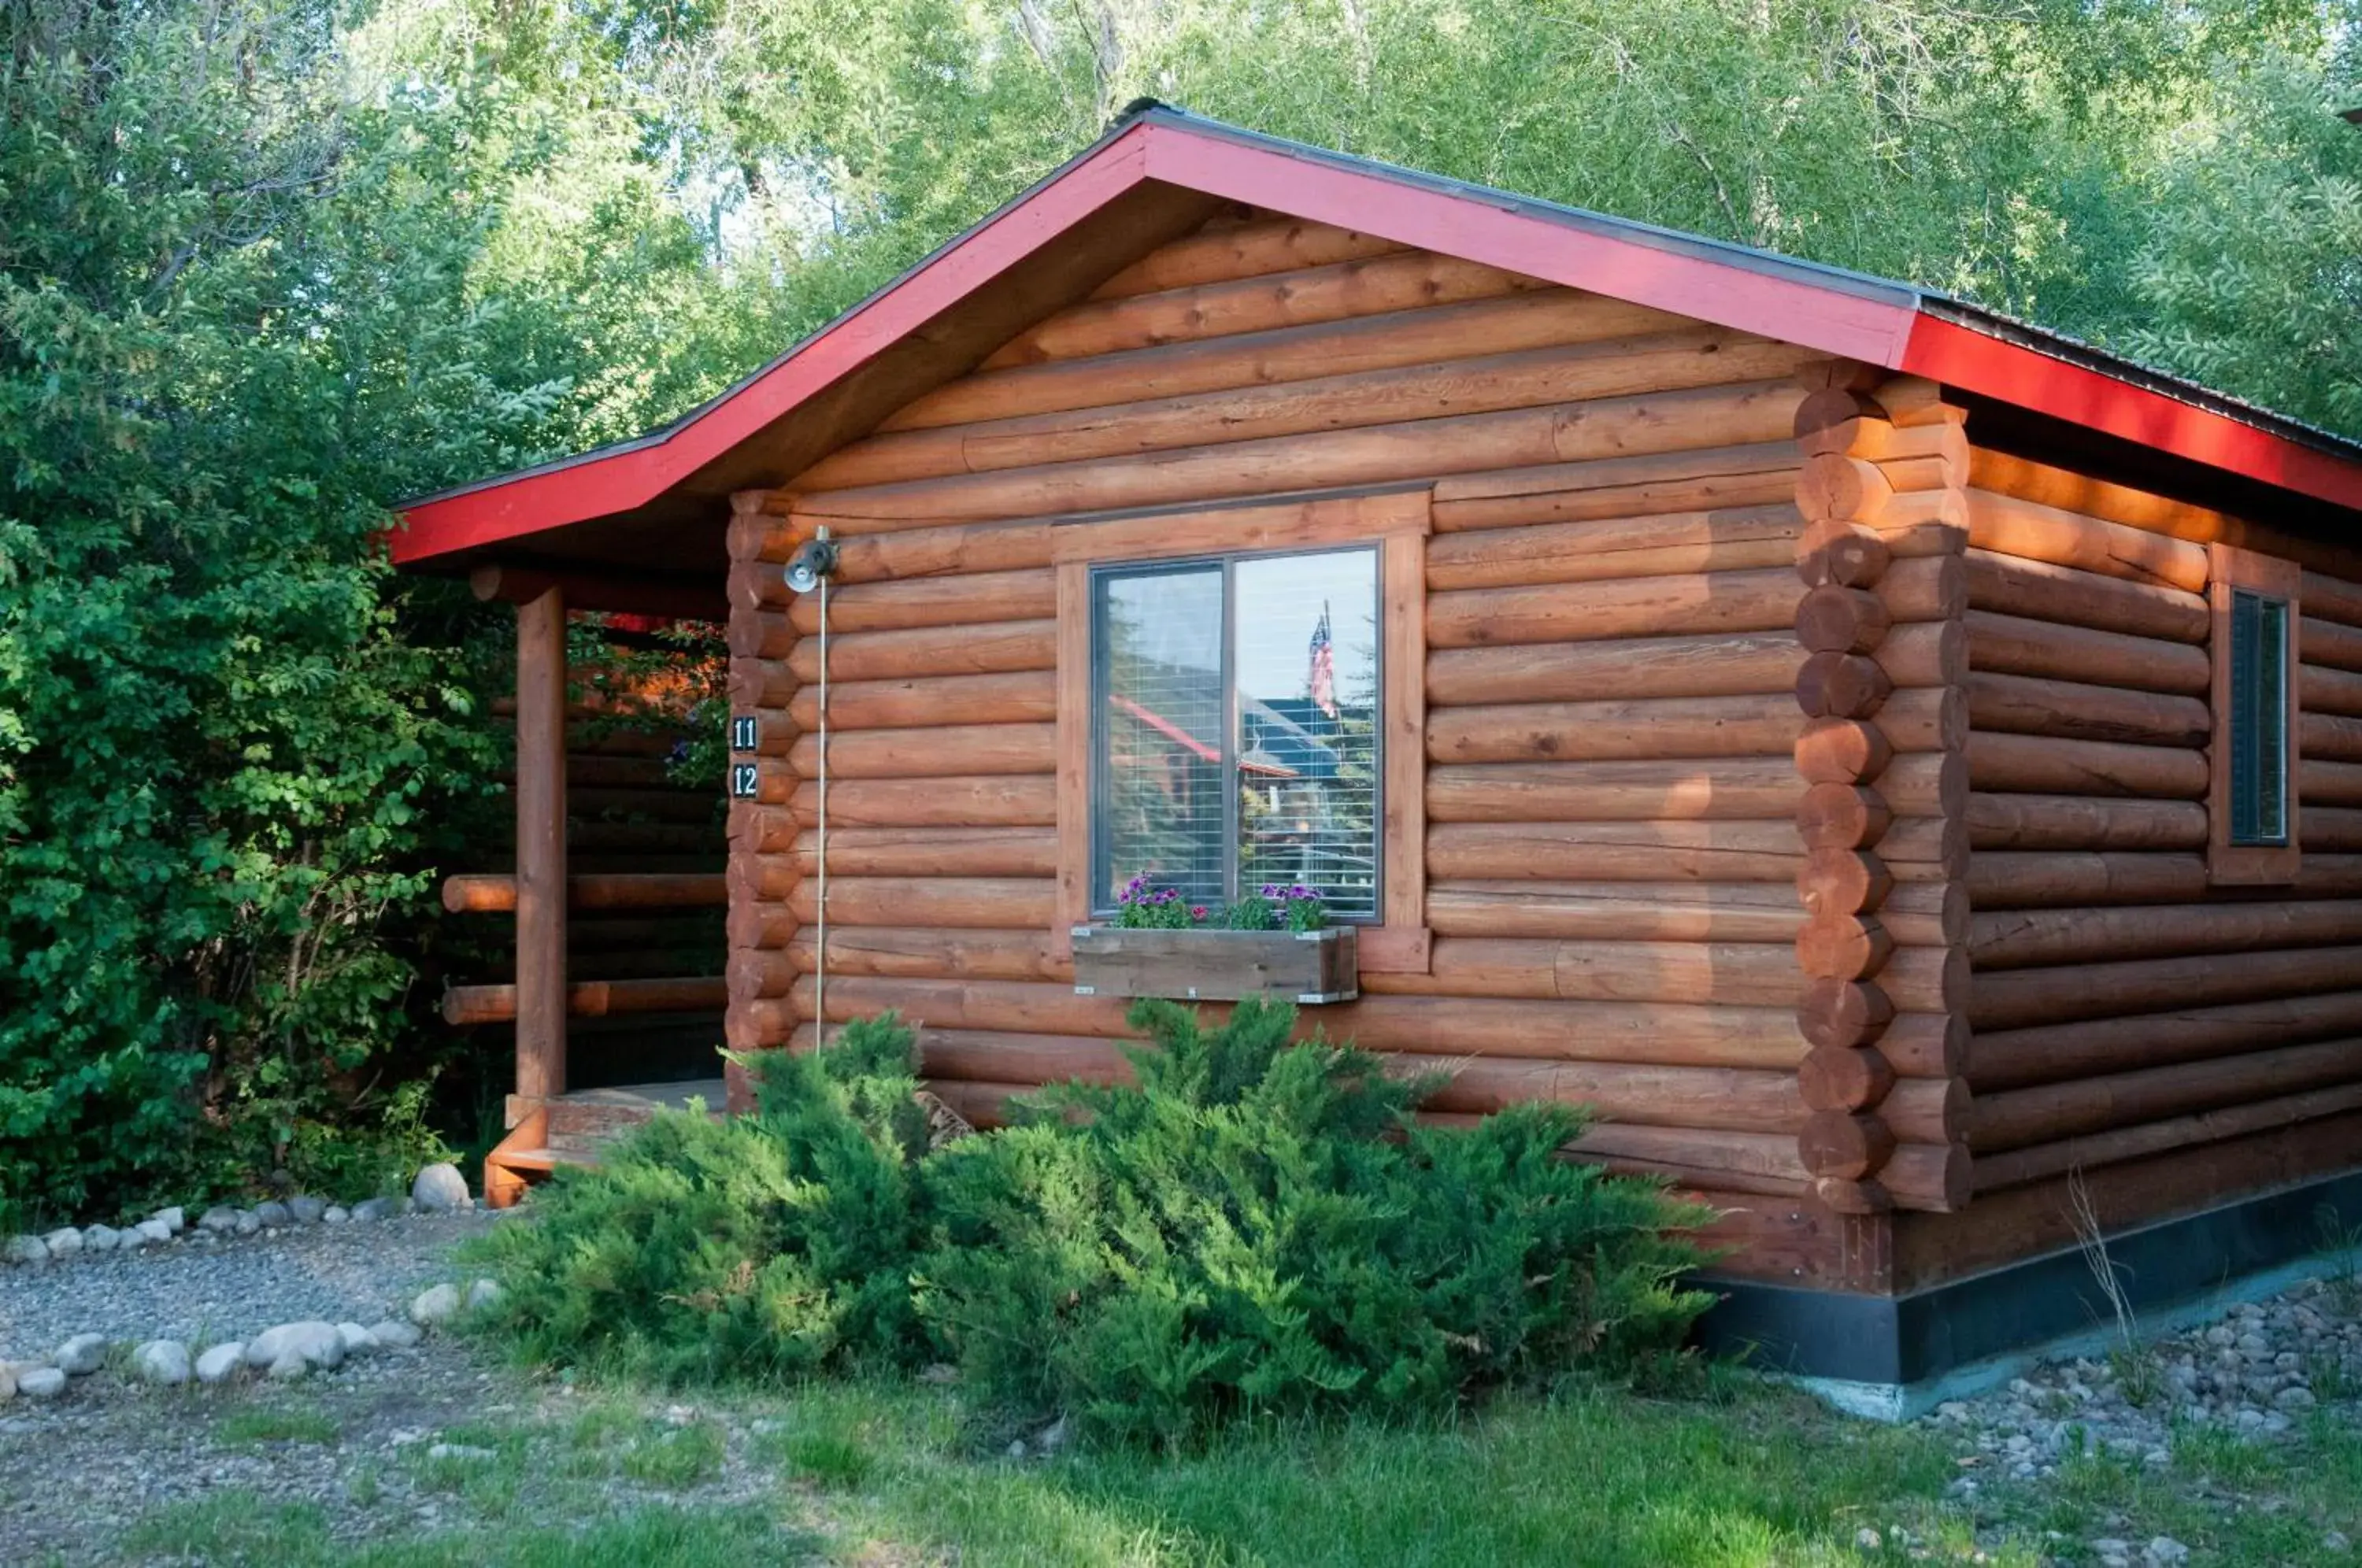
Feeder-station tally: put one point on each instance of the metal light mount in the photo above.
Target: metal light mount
(816, 559)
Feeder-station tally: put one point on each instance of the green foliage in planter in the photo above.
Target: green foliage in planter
(770, 1244)
(1257, 1227)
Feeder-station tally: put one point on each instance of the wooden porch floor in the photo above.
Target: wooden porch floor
(569, 1129)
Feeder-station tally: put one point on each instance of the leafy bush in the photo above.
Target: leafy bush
(1253, 1226)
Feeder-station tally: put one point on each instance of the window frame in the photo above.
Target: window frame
(1397, 524)
(2233, 573)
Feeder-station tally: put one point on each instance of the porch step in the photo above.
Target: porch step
(573, 1128)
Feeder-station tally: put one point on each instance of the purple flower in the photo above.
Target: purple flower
(1196, 911)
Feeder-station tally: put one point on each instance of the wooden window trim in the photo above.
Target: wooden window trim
(1397, 521)
(2229, 571)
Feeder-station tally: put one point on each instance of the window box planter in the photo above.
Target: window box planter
(1303, 967)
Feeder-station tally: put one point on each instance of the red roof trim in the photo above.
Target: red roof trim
(574, 491)
(2011, 372)
(1814, 316)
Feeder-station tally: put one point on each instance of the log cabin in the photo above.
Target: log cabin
(1901, 768)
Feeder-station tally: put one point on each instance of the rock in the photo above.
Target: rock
(40, 1383)
(377, 1208)
(313, 1342)
(272, 1215)
(63, 1242)
(289, 1367)
(440, 1188)
(459, 1450)
(174, 1219)
(131, 1237)
(27, 1250)
(155, 1230)
(221, 1219)
(162, 1361)
(81, 1356)
(436, 1304)
(2163, 1551)
(306, 1209)
(395, 1335)
(7, 1385)
(248, 1225)
(484, 1293)
(1867, 1538)
(1053, 1437)
(98, 1238)
(358, 1340)
(221, 1363)
(2335, 1542)
(1016, 1448)
(2296, 1396)
(336, 1214)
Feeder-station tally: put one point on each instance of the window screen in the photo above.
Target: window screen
(1237, 705)
(2258, 719)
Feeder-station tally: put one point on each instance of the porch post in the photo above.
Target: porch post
(541, 846)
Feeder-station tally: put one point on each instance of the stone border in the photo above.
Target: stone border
(437, 1189)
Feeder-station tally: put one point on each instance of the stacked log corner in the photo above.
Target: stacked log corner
(763, 882)
(1882, 496)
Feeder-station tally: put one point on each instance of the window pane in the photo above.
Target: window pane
(2258, 719)
(1159, 642)
(1305, 631)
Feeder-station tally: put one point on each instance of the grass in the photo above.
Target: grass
(267, 1424)
(890, 1473)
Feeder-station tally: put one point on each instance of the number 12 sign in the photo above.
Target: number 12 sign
(744, 780)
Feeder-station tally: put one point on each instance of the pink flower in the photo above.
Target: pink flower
(1196, 911)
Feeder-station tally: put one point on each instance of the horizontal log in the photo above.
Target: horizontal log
(2335, 829)
(2013, 645)
(1926, 784)
(2042, 1161)
(979, 599)
(980, 902)
(2141, 509)
(2333, 596)
(1927, 1045)
(2031, 531)
(1665, 545)
(2041, 590)
(1930, 1178)
(1698, 1097)
(2321, 689)
(1842, 751)
(1849, 1145)
(1245, 251)
(758, 926)
(1729, 973)
(1000, 648)
(2323, 783)
(908, 951)
(930, 852)
(2042, 765)
(2329, 642)
(755, 684)
(1734, 665)
(2083, 822)
(1367, 286)
(1763, 851)
(1762, 725)
(2327, 736)
(1719, 788)
(491, 895)
(1644, 484)
(1027, 697)
(930, 752)
(2014, 998)
(1927, 1110)
(1682, 605)
(1375, 454)
(1010, 800)
(2002, 879)
(1688, 357)
(2013, 1059)
(1607, 911)
(2019, 938)
(2029, 705)
(1417, 337)
(2014, 1118)
(589, 999)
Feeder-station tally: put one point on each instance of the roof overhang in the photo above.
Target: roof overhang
(1155, 176)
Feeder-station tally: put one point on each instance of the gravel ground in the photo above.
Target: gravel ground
(202, 1288)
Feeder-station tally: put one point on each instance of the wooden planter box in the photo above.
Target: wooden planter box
(1303, 967)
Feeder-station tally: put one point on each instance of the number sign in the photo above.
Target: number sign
(746, 731)
(743, 779)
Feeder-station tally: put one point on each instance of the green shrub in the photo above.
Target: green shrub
(1255, 1227)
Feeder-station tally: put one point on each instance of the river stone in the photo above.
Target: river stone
(27, 1250)
(40, 1383)
(63, 1242)
(7, 1384)
(377, 1208)
(358, 1340)
(272, 1214)
(289, 1367)
(440, 1188)
(312, 1340)
(174, 1219)
(248, 1225)
(99, 1238)
(336, 1214)
(484, 1293)
(222, 1362)
(162, 1361)
(436, 1304)
(307, 1208)
(154, 1229)
(395, 1335)
(221, 1219)
(81, 1356)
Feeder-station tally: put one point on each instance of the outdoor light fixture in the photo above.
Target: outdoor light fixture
(814, 561)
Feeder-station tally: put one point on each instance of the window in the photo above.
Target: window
(1236, 719)
(2253, 821)
(2257, 719)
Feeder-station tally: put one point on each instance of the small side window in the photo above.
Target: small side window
(2258, 719)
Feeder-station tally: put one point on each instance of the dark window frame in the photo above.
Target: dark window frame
(2244, 853)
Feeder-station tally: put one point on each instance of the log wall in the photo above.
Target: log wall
(2124, 1005)
(1611, 735)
